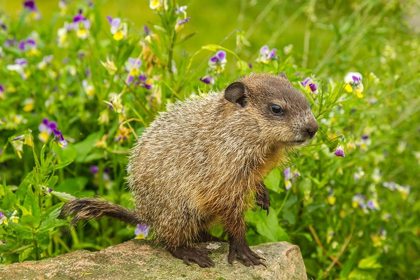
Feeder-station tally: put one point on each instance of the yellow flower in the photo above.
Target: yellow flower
(3, 219)
(134, 72)
(29, 105)
(353, 83)
(89, 89)
(43, 136)
(140, 236)
(288, 184)
(33, 52)
(14, 218)
(155, 4)
(118, 36)
(82, 33)
(331, 200)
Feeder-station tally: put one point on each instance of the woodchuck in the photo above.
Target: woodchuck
(203, 162)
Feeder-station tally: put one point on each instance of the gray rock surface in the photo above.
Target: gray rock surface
(140, 259)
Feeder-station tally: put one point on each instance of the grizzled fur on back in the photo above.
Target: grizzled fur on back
(201, 161)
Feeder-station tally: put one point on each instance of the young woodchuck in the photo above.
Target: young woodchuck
(204, 161)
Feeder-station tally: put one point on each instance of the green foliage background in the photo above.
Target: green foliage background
(339, 237)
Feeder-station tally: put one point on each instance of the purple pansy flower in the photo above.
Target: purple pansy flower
(181, 10)
(81, 25)
(132, 67)
(45, 129)
(20, 64)
(10, 42)
(181, 22)
(146, 30)
(207, 80)
(266, 54)
(18, 138)
(305, 82)
(47, 126)
(118, 29)
(46, 60)
(94, 169)
(60, 139)
(218, 61)
(287, 178)
(142, 82)
(21, 61)
(142, 231)
(339, 151)
(287, 173)
(371, 205)
(31, 7)
(313, 87)
(310, 86)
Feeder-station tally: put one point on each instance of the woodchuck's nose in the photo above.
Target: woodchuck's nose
(311, 129)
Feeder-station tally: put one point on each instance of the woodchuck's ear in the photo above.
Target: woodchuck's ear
(283, 75)
(235, 93)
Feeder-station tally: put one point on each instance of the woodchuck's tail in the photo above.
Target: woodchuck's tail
(92, 208)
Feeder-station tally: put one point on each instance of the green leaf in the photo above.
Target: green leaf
(9, 199)
(360, 275)
(23, 188)
(65, 197)
(32, 206)
(59, 165)
(86, 146)
(272, 181)
(52, 181)
(51, 220)
(370, 262)
(65, 155)
(289, 216)
(21, 231)
(72, 185)
(29, 220)
(305, 186)
(348, 265)
(268, 226)
(43, 239)
(25, 254)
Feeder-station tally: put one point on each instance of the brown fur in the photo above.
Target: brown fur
(203, 161)
(91, 208)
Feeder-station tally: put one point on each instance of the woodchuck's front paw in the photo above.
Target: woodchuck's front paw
(197, 255)
(263, 199)
(245, 253)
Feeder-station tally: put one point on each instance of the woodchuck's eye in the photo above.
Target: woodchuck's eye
(276, 109)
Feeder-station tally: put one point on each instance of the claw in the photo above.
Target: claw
(197, 255)
(248, 257)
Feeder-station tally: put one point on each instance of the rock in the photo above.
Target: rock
(141, 259)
